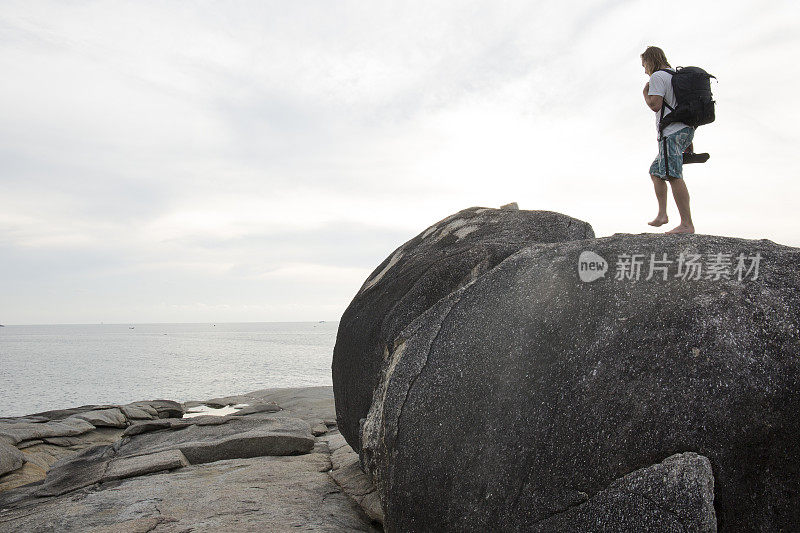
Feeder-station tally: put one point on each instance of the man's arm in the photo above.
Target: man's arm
(654, 101)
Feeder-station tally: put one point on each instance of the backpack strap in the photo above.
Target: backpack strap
(672, 72)
(664, 102)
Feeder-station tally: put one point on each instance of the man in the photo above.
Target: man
(676, 137)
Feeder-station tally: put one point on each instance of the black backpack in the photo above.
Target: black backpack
(695, 103)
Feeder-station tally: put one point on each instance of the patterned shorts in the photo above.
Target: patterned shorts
(676, 144)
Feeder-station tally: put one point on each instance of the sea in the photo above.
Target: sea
(59, 366)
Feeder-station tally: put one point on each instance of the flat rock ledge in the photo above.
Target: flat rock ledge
(277, 464)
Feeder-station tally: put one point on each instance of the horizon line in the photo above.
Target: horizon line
(168, 323)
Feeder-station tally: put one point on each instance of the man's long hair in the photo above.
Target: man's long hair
(655, 58)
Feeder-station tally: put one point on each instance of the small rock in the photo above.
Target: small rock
(164, 408)
(16, 433)
(346, 471)
(31, 419)
(145, 427)
(58, 441)
(102, 435)
(209, 420)
(81, 470)
(219, 403)
(254, 443)
(144, 464)
(240, 437)
(270, 407)
(137, 413)
(144, 406)
(61, 414)
(10, 458)
(103, 418)
(335, 441)
(28, 443)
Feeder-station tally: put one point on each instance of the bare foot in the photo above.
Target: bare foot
(683, 228)
(659, 221)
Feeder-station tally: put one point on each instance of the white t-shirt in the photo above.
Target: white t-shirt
(661, 85)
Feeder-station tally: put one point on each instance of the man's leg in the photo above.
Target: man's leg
(681, 195)
(661, 195)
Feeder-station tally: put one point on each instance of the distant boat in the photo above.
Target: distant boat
(2, 326)
(131, 327)
(321, 321)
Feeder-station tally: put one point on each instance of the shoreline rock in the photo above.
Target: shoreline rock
(141, 476)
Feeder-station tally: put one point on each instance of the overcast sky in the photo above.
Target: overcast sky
(254, 161)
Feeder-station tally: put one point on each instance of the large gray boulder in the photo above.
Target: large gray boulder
(528, 391)
(444, 257)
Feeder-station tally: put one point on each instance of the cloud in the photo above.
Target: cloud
(165, 158)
